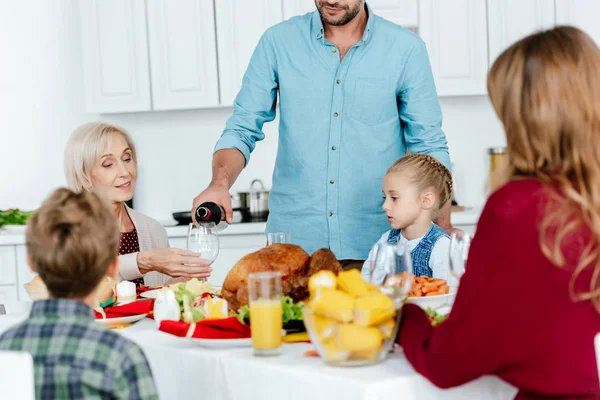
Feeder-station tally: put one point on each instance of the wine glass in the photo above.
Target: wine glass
(460, 242)
(392, 266)
(279, 237)
(204, 239)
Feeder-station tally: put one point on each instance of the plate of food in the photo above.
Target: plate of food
(225, 343)
(194, 285)
(431, 293)
(121, 321)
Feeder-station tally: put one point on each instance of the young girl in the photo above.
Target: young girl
(416, 187)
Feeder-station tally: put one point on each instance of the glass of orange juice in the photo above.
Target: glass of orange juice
(264, 296)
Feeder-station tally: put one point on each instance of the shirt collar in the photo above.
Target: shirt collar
(317, 31)
(60, 308)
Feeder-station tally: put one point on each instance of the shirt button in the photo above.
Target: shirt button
(331, 181)
(333, 148)
(330, 213)
(334, 50)
(335, 114)
(319, 36)
(338, 81)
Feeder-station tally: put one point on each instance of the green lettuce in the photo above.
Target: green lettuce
(290, 311)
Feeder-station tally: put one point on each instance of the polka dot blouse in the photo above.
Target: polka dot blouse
(129, 243)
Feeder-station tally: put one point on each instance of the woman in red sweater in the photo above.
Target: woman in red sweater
(528, 306)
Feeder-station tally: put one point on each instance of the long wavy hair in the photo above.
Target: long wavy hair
(545, 89)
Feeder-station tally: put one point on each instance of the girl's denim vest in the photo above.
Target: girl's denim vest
(422, 252)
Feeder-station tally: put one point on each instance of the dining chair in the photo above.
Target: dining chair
(16, 375)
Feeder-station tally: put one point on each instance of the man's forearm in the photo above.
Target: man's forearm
(226, 167)
(443, 219)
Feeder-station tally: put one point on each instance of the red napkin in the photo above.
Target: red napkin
(226, 328)
(142, 289)
(125, 310)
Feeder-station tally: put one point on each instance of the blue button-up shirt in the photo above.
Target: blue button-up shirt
(342, 124)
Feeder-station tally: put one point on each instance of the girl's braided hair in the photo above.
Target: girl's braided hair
(427, 172)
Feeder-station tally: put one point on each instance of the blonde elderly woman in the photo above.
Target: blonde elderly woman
(101, 158)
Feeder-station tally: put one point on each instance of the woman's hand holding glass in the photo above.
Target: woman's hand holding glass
(203, 239)
(173, 262)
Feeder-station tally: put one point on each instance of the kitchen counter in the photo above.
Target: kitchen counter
(235, 242)
(467, 217)
(243, 228)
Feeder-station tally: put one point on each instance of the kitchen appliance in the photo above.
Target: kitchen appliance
(497, 158)
(256, 201)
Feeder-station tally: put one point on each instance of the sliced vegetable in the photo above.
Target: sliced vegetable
(434, 317)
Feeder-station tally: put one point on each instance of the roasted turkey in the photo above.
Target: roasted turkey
(294, 264)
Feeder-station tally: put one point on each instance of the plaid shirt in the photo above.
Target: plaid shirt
(76, 357)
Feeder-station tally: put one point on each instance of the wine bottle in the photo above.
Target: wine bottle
(209, 212)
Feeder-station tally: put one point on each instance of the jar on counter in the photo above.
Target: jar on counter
(497, 158)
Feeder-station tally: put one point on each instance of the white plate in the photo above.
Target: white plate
(225, 343)
(222, 343)
(15, 228)
(111, 322)
(151, 294)
(434, 301)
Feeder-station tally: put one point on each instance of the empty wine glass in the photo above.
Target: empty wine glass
(460, 242)
(392, 266)
(279, 237)
(204, 239)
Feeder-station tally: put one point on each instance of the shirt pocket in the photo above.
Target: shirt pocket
(373, 101)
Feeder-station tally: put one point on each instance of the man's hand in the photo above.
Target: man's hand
(217, 194)
(443, 220)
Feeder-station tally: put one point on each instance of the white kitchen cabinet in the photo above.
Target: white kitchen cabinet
(183, 55)
(232, 249)
(240, 24)
(115, 55)
(292, 8)
(511, 20)
(401, 12)
(455, 32)
(8, 265)
(8, 294)
(582, 14)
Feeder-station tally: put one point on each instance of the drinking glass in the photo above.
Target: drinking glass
(264, 297)
(393, 266)
(279, 237)
(460, 242)
(204, 239)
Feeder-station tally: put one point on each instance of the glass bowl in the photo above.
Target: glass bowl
(333, 340)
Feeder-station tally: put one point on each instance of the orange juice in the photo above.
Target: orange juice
(266, 324)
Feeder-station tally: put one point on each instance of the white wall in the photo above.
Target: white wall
(41, 102)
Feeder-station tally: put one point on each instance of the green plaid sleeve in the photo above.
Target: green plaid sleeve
(134, 380)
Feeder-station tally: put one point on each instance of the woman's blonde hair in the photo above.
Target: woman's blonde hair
(71, 241)
(85, 148)
(427, 172)
(546, 91)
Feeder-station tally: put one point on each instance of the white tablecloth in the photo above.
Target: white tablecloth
(183, 370)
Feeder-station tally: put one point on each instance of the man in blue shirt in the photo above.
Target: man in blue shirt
(355, 93)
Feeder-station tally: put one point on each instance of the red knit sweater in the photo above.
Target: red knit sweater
(513, 316)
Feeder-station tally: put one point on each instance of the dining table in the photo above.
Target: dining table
(184, 369)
